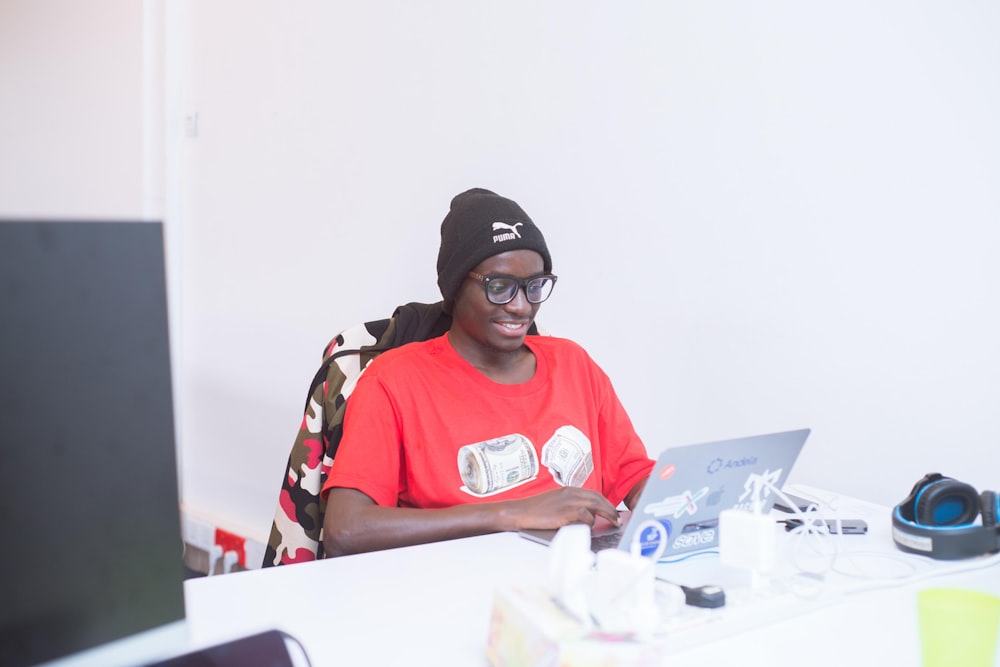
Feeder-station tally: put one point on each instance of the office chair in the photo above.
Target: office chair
(296, 532)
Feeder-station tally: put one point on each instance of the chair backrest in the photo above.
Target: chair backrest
(298, 519)
(296, 532)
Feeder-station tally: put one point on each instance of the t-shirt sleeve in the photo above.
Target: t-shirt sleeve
(369, 457)
(626, 461)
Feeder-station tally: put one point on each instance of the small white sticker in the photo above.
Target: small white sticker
(912, 541)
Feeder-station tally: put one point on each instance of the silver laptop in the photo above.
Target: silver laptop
(678, 510)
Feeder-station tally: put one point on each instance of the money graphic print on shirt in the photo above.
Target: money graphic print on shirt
(496, 465)
(569, 456)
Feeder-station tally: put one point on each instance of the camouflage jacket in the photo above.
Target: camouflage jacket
(298, 520)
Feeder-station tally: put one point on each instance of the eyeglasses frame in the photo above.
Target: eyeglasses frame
(522, 284)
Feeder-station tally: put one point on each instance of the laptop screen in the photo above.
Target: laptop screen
(678, 510)
(92, 550)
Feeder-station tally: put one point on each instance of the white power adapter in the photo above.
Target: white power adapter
(747, 541)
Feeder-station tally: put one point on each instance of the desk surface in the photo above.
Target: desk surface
(430, 605)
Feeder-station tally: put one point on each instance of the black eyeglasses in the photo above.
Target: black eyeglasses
(501, 289)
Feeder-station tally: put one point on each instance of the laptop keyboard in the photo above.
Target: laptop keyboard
(605, 541)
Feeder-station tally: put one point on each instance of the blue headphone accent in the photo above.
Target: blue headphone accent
(938, 519)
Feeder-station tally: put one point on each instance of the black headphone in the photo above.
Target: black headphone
(937, 519)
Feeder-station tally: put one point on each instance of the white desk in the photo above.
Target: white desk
(430, 605)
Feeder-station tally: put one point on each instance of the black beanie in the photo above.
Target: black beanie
(481, 224)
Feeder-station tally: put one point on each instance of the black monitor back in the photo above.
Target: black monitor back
(91, 548)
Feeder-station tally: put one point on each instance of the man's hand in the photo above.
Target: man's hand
(557, 508)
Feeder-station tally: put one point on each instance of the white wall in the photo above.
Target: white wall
(764, 215)
(72, 124)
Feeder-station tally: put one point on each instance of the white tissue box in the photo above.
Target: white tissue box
(527, 628)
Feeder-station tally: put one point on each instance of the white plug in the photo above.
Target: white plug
(747, 541)
(622, 592)
(214, 554)
(229, 559)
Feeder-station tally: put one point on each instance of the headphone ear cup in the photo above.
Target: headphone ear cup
(947, 502)
(989, 502)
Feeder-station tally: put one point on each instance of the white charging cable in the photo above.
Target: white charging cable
(812, 556)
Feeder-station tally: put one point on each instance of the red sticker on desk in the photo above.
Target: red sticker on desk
(668, 471)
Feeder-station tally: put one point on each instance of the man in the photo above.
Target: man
(484, 429)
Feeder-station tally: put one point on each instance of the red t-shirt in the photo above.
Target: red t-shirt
(425, 429)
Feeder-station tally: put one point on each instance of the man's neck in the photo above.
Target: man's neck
(501, 366)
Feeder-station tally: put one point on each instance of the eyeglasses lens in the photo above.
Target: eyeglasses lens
(503, 290)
